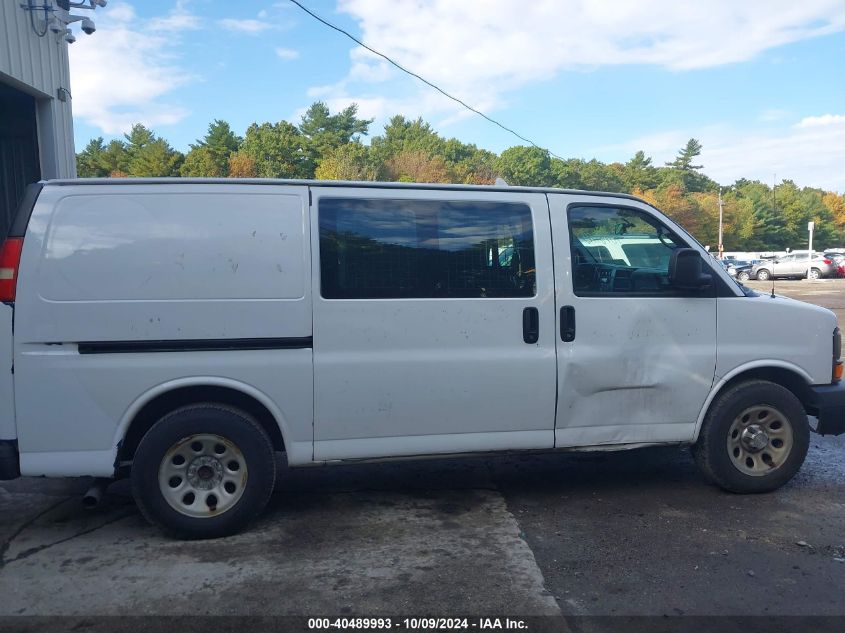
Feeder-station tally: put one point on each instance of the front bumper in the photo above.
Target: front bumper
(827, 403)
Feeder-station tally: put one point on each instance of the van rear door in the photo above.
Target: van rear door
(433, 322)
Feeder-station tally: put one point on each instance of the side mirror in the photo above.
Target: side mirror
(686, 269)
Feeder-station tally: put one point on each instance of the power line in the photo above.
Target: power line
(422, 79)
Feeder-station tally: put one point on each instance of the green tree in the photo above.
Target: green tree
(200, 163)
(347, 162)
(402, 135)
(89, 162)
(277, 150)
(417, 166)
(683, 172)
(768, 229)
(526, 165)
(593, 175)
(323, 132)
(218, 144)
(640, 173)
(150, 156)
(98, 160)
(477, 167)
(686, 155)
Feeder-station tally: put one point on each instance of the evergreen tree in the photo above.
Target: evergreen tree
(324, 132)
(150, 156)
(218, 144)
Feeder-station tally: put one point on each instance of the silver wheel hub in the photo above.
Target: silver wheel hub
(754, 439)
(202, 476)
(759, 440)
(205, 472)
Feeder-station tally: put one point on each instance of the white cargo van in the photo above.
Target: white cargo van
(182, 332)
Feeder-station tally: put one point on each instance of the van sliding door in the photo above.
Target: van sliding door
(433, 322)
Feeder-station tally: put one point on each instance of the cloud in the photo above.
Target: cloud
(286, 53)
(825, 119)
(481, 50)
(124, 73)
(811, 155)
(773, 114)
(247, 26)
(179, 19)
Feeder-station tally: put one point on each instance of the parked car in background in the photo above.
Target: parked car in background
(794, 266)
(742, 269)
(838, 261)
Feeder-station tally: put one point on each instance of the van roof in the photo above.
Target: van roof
(327, 183)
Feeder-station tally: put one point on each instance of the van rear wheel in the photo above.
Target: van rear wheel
(763, 274)
(754, 438)
(203, 471)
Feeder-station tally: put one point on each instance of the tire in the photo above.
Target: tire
(742, 407)
(230, 487)
(743, 276)
(815, 273)
(763, 274)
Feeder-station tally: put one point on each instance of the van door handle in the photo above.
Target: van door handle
(567, 324)
(530, 325)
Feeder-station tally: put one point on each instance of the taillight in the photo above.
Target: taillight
(10, 259)
(828, 262)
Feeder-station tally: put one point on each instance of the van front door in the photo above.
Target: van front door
(636, 355)
(433, 322)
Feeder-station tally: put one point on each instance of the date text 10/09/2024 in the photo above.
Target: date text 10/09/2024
(418, 624)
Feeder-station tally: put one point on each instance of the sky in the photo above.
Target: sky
(758, 82)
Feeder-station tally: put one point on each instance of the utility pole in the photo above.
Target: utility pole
(721, 216)
(810, 227)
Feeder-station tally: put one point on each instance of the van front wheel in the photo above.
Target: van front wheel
(754, 438)
(203, 471)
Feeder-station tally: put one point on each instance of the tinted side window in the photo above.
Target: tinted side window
(397, 249)
(618, 250)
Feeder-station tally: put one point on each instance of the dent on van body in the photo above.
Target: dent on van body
(639, 367)
(640, 378)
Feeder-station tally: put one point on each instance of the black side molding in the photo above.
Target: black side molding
(194, 345)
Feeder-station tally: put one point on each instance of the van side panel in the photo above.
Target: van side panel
(165, 263)
(125, 289)
(70, 417)
(7, 394)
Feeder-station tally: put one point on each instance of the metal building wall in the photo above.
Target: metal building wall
(39, 67)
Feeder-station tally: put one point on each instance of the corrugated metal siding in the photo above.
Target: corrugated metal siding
(39, 65)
